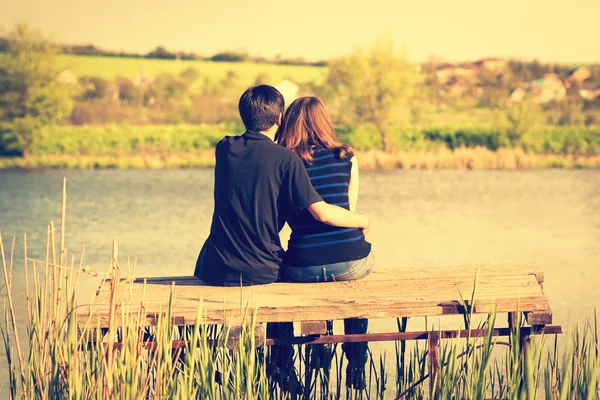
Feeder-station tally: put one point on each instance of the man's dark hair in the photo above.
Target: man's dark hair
(260, 107)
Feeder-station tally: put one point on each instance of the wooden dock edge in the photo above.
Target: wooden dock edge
(536, 309)
(381, 337)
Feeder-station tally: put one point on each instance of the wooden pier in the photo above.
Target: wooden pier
(383, 294)
(393, 293)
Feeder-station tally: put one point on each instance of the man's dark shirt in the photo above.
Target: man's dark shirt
(257, 184)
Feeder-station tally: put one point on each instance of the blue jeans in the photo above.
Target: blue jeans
(356, 353)
(342, 271)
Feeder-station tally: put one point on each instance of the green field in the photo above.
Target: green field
(113, 67)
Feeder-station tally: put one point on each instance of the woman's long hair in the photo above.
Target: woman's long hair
(306, 125)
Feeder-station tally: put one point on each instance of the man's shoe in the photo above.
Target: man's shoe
(355, 378)
(288, 383)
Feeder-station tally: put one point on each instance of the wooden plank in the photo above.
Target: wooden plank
(383, 294)
(405, 274)
(543, 317)
(392, 288)
(412, 275)
(313, 327)
(403, 336)
(371, 337)
(308, 313)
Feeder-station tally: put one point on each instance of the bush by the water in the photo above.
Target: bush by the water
(578, 141)
(129, 140)
(124, 140)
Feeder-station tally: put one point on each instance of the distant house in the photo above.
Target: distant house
(517, 95)
(465, 73)
(589, 90)
(448, 72)
(491, 64)
(288, 89)
(458, 87)
(577, 76)
(548, 88)
(443, 75)
(66, 77)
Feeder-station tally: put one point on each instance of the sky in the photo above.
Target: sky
(450, 30)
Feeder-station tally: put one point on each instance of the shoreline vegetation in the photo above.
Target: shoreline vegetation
(192, 146)
(49, 354)
(165, 111)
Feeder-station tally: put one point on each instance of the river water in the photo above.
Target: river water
(549, 218)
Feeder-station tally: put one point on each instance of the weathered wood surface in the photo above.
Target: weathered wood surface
(383, 294)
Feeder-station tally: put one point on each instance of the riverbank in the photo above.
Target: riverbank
(442, 158)
(192, 146)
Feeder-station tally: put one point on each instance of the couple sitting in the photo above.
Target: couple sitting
(309, 180)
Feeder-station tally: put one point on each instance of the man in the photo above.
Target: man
(258, 183)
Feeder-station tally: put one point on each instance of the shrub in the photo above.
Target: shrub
(81, 115)
(128, 93)
(363, 137)
(131, 140)
(94, 88)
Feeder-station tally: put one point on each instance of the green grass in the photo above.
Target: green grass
(113, 67)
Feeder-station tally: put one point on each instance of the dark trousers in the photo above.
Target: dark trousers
(281, 358)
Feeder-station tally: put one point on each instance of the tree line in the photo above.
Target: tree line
(162, 53)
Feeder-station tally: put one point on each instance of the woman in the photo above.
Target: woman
(318, 252)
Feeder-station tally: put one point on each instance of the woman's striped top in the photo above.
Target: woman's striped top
(312, 242)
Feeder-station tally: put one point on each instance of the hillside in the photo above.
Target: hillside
(112, 67)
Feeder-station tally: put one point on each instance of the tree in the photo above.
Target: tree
(3, 44)
(374, 86)
(189, 75)
(538, 70)
(230, 84)
(230, 56)
(161, 53)
(94, 88)
(128, 93)
(262, 79)
(521, 118)
(31, 93)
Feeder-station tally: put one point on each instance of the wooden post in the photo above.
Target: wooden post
(402, 328)
(513, 326)
(524, 343)
(236, 334)
(513, 320)
(434, 365)
(539, 317)
(513, 323)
